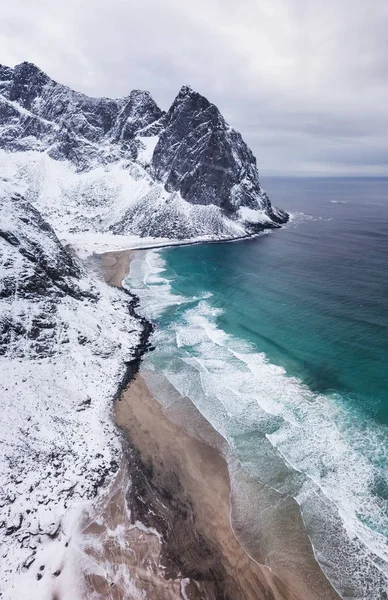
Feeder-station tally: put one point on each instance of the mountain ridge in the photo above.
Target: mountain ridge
(189, 158)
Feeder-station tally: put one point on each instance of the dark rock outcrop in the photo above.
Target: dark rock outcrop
(203, 158)
(35, 271)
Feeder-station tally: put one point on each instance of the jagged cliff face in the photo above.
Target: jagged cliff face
(36, 274)
(199, 155)
(187, 172)
(40, 114)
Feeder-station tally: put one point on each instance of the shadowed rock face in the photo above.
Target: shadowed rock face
(193, 155)
(35, 271)
(199, 155)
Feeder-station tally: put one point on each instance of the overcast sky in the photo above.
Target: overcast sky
(305, 81)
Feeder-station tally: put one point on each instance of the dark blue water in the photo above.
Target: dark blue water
(282, 343)
(334, 269)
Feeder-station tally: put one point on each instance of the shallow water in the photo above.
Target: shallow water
(281, 342)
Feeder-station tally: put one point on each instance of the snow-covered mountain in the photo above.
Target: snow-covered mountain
(71, 167)
(65, 337)
(126, 167)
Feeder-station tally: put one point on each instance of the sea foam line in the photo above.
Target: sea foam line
(306, 437)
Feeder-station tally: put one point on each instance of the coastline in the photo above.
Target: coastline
(115, 266)
(177, 492)
(102, 245)
(180, 488)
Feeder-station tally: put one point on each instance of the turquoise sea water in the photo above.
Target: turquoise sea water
(282, 343)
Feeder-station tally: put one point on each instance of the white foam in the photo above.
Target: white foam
(298, 432)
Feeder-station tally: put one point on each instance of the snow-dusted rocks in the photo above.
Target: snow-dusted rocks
(40, 114)
(36, 275)
(126, 166)
(204, 159)
(65, 337)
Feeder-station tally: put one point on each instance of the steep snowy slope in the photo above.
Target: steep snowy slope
(124, 166)
(64, 340)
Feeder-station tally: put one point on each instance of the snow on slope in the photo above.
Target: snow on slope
(120, 198)
(60, 369)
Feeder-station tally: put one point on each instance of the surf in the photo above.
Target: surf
(283, 434)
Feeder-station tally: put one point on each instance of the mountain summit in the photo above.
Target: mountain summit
(125, 166)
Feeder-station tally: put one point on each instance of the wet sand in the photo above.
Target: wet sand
(181, 488)
(115, 266)
(164, 529)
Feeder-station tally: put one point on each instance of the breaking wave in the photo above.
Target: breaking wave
(301, 444)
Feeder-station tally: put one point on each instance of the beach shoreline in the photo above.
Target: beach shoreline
(115, 266)
(178, 488)
(181, 489)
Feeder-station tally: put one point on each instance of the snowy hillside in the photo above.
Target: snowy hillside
(59, 372)
(89, 173)
(125, 167)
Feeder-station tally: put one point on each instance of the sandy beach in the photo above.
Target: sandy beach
(115, 266)
(181, 488)
(171, 503)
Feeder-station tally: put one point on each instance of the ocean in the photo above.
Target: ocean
(281, 342)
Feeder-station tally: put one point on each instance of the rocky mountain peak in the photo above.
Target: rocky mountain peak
(28, 70)
(5, 73)
(27, 83)
(186, 90)
(200, 156)
(139, 111)
(187, 102)
(189, 154)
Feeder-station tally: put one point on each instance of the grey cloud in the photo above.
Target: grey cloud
(305, 82)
